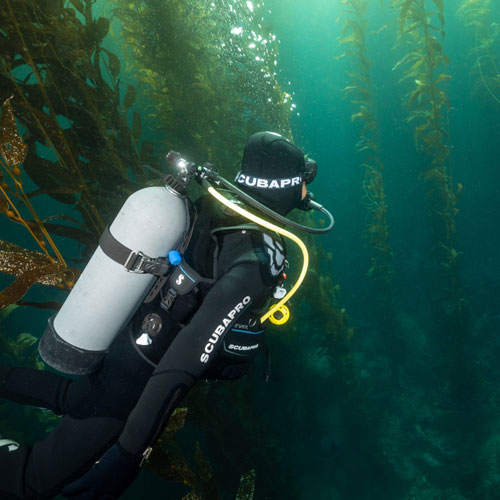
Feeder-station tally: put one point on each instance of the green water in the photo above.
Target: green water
(403, 406)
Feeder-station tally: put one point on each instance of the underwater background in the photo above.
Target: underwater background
(385, 381)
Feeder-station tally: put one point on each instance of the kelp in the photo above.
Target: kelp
(477, 15)
(169, 462)
(21, 350)
(47, 268)
(424, 64)
(359, 91)
(67, 99)
(209, 69)
(61, 86)
(324, 295)
(246, 489)
(30, 268)
(424, 68)
(13, 153)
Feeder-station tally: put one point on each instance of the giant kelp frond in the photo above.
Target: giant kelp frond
(66, 90)
(13, 153)
(26, 34)
(29, 268)
(20, 350)
(12, 148)
(359, 90)
(62, 88)
(246, 489)
(422, 30)
(477, 15)
(167, 459)
(210, 70)
(168, 462)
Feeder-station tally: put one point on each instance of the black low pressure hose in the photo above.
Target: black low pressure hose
(207, 174)
(310, 204)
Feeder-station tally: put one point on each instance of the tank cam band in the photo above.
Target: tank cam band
(133, 261)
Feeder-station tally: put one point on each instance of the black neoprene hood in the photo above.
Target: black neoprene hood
(272, 171)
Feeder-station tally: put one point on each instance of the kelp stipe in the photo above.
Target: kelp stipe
(359, 91)
(425, 65)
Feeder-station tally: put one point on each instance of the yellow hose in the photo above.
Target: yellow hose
(279, 230)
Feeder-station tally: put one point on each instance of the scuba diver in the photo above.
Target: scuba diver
(198, 314)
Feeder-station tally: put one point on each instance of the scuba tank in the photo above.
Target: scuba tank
(149, 227)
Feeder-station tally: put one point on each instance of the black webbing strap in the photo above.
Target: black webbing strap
(250, 227)
(133, 261)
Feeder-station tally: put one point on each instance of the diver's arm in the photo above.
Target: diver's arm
(191, 353)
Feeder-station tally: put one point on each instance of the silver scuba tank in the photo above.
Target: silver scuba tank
(151, 223)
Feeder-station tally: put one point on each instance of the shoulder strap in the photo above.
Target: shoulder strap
(251, 226)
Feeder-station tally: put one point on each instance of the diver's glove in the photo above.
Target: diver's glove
(107, 479)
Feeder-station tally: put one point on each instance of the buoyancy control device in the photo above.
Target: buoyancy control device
(133, 251)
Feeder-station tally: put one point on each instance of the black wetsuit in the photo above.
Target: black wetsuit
(182, 336)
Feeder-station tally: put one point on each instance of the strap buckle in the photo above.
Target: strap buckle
(135, 262)
(139, 263)
(168, 300)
